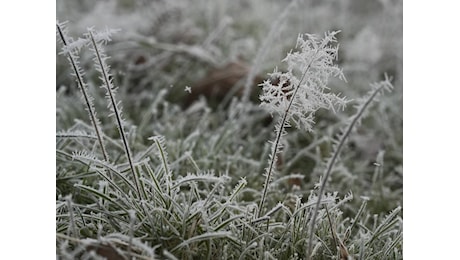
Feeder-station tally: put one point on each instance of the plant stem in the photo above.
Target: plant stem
(279, 133)
(109, 87)
(86, 96)
(332, 161)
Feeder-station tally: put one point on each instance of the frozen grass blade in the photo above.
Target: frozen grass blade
(395, 243)
(82, 157)
(376, 89)
(355, 220)
(273, 158)
(159, 141)
(100, 195)
(247, 249)
(155, 184)
(237, 190)
(206, 236)
(386, 224)
(228, 221)
(196, 178)
(169, 255)
(100, 59)
(72, 56)
(296, 97)
(74, 134)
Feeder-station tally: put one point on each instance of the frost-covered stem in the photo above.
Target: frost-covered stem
(279, 134)
(164, 160)
(273, 159)
(116, 111)
(87, 98)
(331, 163)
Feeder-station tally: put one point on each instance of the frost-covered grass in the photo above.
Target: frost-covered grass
(141, 176)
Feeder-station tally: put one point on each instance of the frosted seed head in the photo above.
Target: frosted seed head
(300, 91)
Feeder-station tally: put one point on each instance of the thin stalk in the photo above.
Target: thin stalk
(116, 110)
(82, 85)
(332, 161)
(276, 144)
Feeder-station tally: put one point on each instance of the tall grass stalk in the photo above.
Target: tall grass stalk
(107, 84)
(377, 88)
(72, 56)
(297, 97)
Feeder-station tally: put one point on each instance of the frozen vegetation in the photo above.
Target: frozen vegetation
(229, 129)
